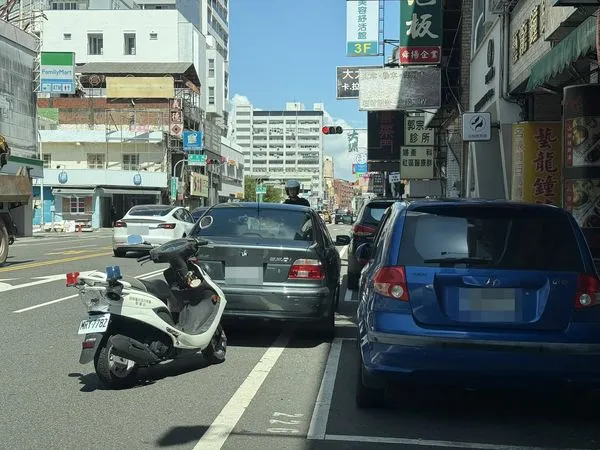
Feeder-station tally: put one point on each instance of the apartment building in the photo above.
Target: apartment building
(282, 145)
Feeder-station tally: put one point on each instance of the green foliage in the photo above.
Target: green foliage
(273, 195)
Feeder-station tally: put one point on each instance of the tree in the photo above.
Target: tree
(273, 194)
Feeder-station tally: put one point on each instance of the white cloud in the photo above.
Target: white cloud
(238, 99)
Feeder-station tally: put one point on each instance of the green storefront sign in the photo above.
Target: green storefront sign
(421, 32)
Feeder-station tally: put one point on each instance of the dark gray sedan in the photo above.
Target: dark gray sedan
(273, 261)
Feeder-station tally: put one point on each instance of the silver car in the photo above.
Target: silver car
(273, 261)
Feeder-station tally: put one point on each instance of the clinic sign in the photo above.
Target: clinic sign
(362, 27)
(57, 72)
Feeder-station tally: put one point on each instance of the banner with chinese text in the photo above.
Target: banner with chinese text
(416, 163)
(362, 27)
(536, 161)
(420, 31)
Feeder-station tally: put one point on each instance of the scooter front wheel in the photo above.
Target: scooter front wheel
(217, 349)
(115, 372)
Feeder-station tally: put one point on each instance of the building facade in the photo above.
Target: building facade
(232, 171)
(283, 145)
(328, 177)
(344, 192)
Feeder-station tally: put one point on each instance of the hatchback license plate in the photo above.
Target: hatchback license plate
(94, 324)
(487, 300)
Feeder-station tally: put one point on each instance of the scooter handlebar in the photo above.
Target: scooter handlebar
(144, 258)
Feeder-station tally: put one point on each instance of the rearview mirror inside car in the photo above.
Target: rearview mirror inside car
(342, 239)
(363, 253)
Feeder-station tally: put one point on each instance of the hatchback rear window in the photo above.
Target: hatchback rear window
(493, 237)
(144, 211)
(263, 223)
(374, 212)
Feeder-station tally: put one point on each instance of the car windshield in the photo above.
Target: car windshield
(149, 211)
(496, 237)
(254, 222)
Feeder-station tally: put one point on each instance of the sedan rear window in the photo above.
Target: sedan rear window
(374, 212)
(145, 211)
(262, 223)
(491, 237)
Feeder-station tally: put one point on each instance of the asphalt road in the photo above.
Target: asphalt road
(278, 389)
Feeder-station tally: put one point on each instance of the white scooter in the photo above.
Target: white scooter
(139, 323)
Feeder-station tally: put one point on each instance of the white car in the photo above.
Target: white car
(152, 225)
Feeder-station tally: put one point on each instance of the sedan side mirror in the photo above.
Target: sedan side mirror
(363, 253)
(342, 239)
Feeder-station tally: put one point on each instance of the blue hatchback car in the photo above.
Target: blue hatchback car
(477, 293)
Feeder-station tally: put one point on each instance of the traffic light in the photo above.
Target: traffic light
(333, 130)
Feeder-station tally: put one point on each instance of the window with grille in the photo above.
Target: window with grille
(95, 44)
(77, 205)
(95, 161)
(131, 161)
(47, 161)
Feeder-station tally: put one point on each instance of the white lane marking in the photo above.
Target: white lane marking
(40, 280)
(343, 252)
(49, 241)
(429, 443)
(318, 422)
(144, 276)
(348, 296)
(223, 425)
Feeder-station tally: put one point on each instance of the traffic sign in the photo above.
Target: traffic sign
(477, 126)
(196, 160)
(174, 186)
(261, 189)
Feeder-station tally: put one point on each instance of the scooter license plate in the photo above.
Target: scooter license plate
(94, 324)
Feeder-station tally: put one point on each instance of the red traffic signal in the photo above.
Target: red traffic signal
(332, 130)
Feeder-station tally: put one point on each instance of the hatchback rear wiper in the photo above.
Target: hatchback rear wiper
(459, 260)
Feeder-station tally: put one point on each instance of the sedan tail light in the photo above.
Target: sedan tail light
(120, 224)
(391, 282)
(168, 226)
(363, 230)
(588, 291)
(307, 269)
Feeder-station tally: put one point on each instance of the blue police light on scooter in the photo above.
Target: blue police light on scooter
(113, 273)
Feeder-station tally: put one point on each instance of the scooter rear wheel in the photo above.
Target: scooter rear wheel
(217, 349)
(114, 371)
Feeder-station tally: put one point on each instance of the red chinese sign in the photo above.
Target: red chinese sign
(420, 55)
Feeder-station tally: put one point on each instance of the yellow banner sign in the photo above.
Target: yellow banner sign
(537, 162)
(140, 87)
(198, 185)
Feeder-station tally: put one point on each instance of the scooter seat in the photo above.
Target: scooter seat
(159, 288)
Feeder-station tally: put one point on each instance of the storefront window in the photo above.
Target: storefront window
(77, 205)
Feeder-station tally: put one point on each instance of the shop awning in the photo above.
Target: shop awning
(578, 43)
(106, 191)
(65, 192)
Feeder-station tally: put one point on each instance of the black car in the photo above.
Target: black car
(364, 230)
(198, 212)
(273, 261)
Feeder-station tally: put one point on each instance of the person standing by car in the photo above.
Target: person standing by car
(292, 189)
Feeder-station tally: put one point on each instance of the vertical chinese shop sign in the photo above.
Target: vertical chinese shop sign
(421, 31)
(537, 156)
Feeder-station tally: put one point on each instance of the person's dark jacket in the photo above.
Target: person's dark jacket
(297, 201)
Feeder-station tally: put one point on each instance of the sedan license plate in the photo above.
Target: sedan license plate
(94, 324)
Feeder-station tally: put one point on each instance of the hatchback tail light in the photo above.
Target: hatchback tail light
(168, 226)
(588, 291)
(391, 282)
(363, 230)
(120, 224)
(307, 269)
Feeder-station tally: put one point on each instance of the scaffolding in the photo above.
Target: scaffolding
(28, 15)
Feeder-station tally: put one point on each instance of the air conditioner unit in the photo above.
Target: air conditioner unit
(132, 52)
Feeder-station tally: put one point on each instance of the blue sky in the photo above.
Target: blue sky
(287, 50)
